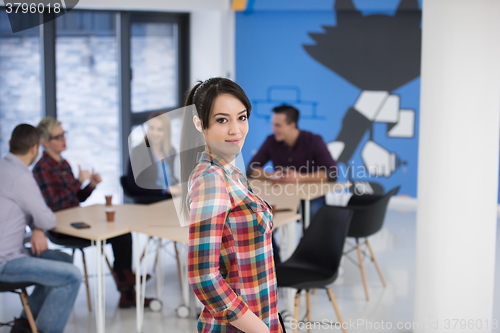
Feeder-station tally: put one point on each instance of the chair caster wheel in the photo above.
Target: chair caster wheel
(182, 311)
(155, 305)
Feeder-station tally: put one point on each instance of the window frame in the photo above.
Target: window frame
(124, 20)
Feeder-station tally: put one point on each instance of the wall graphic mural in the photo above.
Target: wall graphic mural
(388, 57)
(352, 68)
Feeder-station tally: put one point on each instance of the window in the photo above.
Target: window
(87, 95)
(107, 72)
(20, 97)
(154, 62)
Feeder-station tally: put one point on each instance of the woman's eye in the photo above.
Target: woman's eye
(221, 120)
(243, 118)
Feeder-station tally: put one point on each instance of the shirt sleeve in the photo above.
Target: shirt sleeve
(323, 158)
(261, 157)
(31, 202)
(55, 195)
(209, 207)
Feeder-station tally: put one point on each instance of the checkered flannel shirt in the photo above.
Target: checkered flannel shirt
(230, 258)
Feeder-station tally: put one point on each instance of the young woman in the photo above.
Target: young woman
(230, 258)
(156, 178)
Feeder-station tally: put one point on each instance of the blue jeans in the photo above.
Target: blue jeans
(57, 282)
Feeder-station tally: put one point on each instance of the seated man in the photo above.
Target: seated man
(297, 156)
(62, 190)
(21, 203)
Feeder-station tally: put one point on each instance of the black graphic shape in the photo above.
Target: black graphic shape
(374, 52)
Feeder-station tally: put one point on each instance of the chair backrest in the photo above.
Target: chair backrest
(369, 213)
(139, 199)
(322, 245)
(126, 190)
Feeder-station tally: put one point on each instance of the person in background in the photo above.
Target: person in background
(298, 156)
(21, 203)
(62, 190)
(155, 182)
(230, 258)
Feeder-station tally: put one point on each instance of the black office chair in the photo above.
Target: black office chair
(315, 262)
(138, 199)
(20, 289)
(368, 219)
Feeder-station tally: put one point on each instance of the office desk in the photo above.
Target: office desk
(162, 222)
(98, 233)
(289, 191)
(157, 220)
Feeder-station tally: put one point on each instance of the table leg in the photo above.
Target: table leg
(138, 289)
(159, 269)
(143, 284)
(307, 213)
(288, 245)
(99, 288)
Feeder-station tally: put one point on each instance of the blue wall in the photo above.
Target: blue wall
(273, 67)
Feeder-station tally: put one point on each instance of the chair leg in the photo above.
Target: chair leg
(145, 248)
(308, 309)
(29, 315)
(178, 260)
(86, 277)
(158, 249)
(296, 311)
(362, 268)
(379, 271)
(336, 309)
(111, 269)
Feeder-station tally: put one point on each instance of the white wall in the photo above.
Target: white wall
(458, 165)
(212, 33)
(155, 5)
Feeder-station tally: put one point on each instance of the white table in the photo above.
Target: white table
(98, 233)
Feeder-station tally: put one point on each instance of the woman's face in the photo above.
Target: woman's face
(228, 125)
(155, 132)
(57, 141)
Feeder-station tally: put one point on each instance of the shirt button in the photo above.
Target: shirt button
(64, 173)
(290, 159)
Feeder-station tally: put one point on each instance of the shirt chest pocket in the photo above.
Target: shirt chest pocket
(262, 213)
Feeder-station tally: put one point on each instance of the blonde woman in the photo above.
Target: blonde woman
(156, 164)
(61, 190)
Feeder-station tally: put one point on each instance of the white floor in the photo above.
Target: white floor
(395, 249)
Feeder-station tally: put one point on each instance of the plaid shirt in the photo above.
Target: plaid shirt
(230, 256)
(59, 187)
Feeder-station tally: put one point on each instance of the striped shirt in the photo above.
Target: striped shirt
(230, 258)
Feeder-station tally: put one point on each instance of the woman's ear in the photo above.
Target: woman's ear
(197, 124)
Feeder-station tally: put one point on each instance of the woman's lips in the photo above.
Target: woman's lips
(233, 141)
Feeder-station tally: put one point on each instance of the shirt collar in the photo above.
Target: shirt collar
(51, 160)
(219, 161)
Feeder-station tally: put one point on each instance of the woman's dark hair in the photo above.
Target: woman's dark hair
(23, 138)
(202, 96)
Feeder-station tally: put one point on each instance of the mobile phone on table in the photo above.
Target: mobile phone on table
(80, 225)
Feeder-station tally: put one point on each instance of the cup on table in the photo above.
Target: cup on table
(110, 214)
(109, 199)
